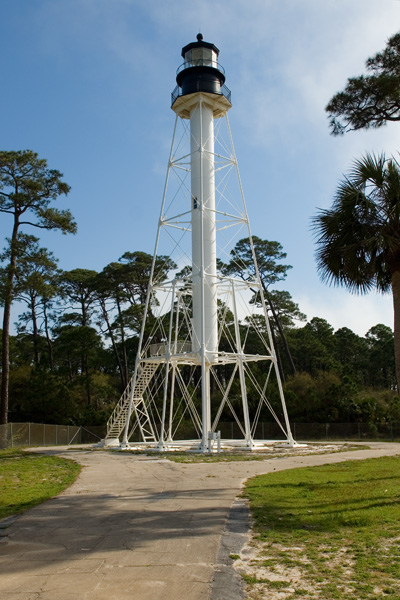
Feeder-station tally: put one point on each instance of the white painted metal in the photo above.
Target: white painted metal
(167, 369)
(204, 253)
(201, 319)
(241, 371)
(132, 395)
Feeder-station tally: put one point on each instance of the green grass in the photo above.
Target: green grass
(29, 479)
(243, 455)
(331, 532)
(195, 457)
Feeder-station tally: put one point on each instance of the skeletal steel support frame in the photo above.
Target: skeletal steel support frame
(188, 361)
(198, 344)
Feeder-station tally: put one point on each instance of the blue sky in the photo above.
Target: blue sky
(87, 83)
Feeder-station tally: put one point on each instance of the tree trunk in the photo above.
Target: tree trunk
(278, 355)
(5, 359)
(275, 345)
(35, 330)
(49, 342)
(122, 334)
(84, 313)
(278, 323)
(114, 345)
(5, 365)
(396, 311)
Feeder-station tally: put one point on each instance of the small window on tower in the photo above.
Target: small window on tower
(195, 205)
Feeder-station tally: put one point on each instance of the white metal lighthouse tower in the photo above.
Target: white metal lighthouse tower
(196, 361)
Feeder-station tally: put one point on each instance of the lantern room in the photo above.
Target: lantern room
(200, 72)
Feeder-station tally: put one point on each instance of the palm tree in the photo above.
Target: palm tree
(358, 238)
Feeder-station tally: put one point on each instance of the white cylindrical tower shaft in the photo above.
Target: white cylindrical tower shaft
(204, 256)
(200, 96)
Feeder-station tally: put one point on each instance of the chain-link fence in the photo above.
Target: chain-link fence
(303, 431)
(38, 434)
(346, 431)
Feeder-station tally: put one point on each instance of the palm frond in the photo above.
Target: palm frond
(358, 239)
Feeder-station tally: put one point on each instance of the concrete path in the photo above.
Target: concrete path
(137, 528)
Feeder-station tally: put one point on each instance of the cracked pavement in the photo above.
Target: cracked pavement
(139, 528)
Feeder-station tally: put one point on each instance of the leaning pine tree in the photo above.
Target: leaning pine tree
(370, 100)
(28, 189)
(358, 238)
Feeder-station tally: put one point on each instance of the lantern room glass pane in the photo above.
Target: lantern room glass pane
(199, 57)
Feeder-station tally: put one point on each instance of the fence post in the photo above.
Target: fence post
(12, 443)
(29, 434)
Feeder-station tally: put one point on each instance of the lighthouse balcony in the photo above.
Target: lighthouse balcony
(200, 62)
(223, 91)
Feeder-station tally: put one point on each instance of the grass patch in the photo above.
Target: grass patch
(186, 457)
(242, 455)
(29, 479)
(332, 531)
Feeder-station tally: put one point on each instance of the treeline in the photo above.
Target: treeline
(77, 340)
(342, 377)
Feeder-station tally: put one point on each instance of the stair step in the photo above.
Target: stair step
(117, 420)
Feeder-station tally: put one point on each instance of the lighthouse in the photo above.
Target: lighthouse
(196, 360)
(201, 99)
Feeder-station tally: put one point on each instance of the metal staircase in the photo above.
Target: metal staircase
(135, 390)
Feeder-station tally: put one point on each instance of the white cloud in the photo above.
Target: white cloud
(295, 68)
(342, 309)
